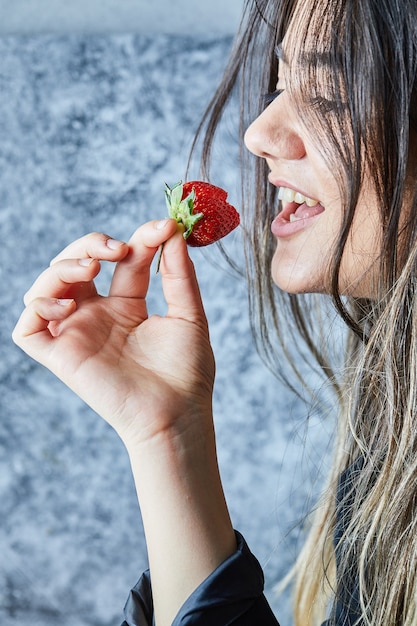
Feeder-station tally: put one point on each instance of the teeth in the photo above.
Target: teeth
(289, 195)
(294, 218)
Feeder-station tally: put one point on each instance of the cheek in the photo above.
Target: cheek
(360, 267)
(359, 272)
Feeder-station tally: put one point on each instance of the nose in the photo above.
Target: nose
(273, 135)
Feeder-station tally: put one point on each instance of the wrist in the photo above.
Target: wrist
(175, 460)
(173, 439)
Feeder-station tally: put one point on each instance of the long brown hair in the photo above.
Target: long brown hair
(369, 50)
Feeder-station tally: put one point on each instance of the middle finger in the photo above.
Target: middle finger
(69, 278)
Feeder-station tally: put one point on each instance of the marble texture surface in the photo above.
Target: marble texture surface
(114, 16)
(90, 129)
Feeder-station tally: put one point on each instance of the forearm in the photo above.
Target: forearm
(187, 524)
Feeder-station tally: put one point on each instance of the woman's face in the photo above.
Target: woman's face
(308, 224)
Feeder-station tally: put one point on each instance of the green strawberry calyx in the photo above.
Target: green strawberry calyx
(181, 209)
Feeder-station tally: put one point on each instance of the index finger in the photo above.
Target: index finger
(132, 274)
(95, 246)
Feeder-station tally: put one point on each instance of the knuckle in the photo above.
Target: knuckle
(97, 236)
(95, 239)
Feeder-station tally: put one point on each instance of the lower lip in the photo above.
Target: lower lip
(282, 227)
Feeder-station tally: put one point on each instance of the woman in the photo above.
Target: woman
(337, 138)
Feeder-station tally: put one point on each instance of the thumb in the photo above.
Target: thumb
(179, 280)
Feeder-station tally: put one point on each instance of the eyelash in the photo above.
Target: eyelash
(270, 97)
(326, 106)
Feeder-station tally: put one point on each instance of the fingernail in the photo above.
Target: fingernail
(85, 262)
(64, 302)
(114, 244)
(160, 225)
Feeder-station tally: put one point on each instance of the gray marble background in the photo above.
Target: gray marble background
(115, 16)
(91, 127)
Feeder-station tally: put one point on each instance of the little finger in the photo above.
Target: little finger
(31, 332)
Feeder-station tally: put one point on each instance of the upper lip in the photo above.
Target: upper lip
(279, 182)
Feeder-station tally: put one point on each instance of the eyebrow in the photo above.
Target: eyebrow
(307, 58)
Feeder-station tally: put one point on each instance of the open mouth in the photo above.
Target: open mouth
(296, 206)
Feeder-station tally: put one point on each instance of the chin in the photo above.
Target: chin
(296, 282)
(296, 287)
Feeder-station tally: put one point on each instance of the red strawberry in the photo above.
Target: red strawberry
(203, 210)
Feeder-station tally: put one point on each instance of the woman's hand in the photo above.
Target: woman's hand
(151, 378)
(144, 375)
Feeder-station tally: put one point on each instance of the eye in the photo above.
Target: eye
(327, 106)
(270, 97)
